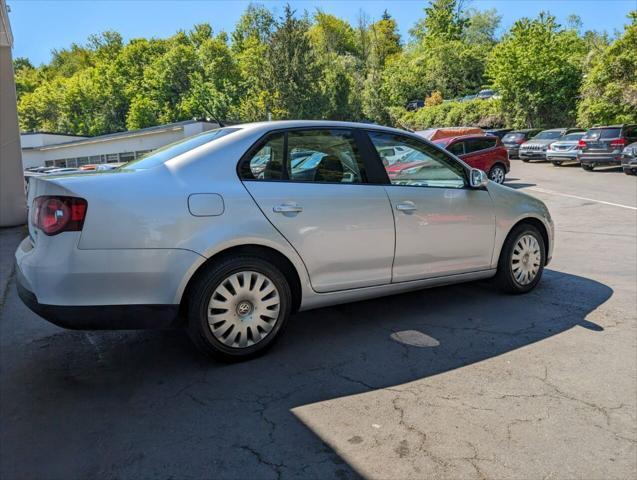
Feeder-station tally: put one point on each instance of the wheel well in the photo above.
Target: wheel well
(499, 163)
(537, 224)
(273, 256)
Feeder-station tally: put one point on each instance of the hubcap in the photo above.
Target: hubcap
(497, 175)
(243, 309)
(526, 259)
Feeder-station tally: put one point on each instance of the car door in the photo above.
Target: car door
(314, 191)
(443, 227)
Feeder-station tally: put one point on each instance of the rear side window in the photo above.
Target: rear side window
(267, 162)
(603, 133)
(172, 150)
(573, 136)
(321, 155)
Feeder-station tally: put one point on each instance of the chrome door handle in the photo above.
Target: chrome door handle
(287, 208)
(406, 206)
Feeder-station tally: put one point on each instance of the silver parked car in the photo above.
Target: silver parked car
(537, 147)
(203, 233)
(565, 149)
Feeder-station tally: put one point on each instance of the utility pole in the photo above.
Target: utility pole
(12, 196)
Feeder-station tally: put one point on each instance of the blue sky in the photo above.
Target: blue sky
(40, 26)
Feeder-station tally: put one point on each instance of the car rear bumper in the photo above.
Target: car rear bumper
(558, 156)
(100, 317)
(513, 151)
(628, 161)
(532, 155)
(600, 158)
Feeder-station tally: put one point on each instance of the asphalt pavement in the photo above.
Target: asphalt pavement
(452, 382)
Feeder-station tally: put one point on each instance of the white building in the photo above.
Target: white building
(41, 149)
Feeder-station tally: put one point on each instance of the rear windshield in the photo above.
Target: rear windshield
(600, 133)
(511, 137)
(548, 135)
(573, 136)
(162, 155)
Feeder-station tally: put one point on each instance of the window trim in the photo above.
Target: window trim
(465, 168)
(258, 144)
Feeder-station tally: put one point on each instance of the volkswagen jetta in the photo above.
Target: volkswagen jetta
(229, 232)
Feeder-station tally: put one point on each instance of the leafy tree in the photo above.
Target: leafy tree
(537, 69)
(609, 92)
(290, 72)
(256, 24)
(481, 27)
(443, 20)
(330, 34)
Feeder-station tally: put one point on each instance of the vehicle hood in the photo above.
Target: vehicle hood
(539, 142)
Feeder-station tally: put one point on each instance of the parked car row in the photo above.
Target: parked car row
(597, 146)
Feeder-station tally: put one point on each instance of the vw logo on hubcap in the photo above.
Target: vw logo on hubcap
(244, 308)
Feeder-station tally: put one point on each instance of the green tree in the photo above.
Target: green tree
(537, 67)
(481, 27)
(291, 74)
(443, 20)
(609, 92)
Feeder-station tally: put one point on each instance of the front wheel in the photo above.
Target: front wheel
(525, 160)
(497, 174)
(238, 307)
(630, 171)
(522, 260)
(556, 163)
(589, 167)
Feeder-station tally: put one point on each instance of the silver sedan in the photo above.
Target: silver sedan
(229, 232)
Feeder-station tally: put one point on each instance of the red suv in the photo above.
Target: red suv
(485, 152)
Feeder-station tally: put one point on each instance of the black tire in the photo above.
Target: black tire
(556, 163)
(589, 167)
(504, 278)
(525, 160)
(199, 297)
(494, 170)
(630, 171)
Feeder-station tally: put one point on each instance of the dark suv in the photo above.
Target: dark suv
(513, 140)
(604, 145)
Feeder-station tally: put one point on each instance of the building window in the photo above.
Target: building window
(112, 158)
(95, 159)
(49, 163)
(141, 153)
(127, 156)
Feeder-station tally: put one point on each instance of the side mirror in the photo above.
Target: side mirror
(478, 178)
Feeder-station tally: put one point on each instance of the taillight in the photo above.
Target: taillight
(56, 214)
(618, 142)
(581, 144)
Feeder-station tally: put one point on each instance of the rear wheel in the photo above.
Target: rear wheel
(589, 167)
(556, 163)
(497, 174)
(238, 307)
(630, 171)
(522, 260)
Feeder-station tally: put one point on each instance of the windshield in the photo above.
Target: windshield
(573, 136)
(162, 155)
(597, 133)
(548, 135)
(512, 137)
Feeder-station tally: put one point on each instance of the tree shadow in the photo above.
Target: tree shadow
(144, 404)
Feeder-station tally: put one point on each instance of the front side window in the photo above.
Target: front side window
(422, 165)
(456, 148)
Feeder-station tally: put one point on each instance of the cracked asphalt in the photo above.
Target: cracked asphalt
(453, 382)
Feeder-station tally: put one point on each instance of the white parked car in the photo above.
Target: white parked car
(204, 234)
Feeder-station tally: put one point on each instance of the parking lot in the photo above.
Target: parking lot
(444, 383)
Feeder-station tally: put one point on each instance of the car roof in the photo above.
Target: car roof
(448, 140)
(525, 130)
(283, 124)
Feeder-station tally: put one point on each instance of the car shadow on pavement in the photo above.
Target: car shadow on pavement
(144, 404)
